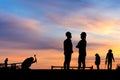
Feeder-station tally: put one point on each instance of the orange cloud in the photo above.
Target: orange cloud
(92, 24)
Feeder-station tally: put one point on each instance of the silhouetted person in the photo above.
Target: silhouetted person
(82, 50)
(28, 62)
(6, 63)
(109, 58)
(97, 60)
(68, 50)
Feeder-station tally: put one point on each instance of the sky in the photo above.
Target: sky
(29, 27)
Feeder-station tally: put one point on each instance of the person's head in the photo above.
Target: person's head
(110, 50)
(96, 54)
(31, 58)
(68, 35)
(83, 35)
(6, 59)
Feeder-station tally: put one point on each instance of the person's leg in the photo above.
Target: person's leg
(110, 65)
(84, 65)
(65, 61)
(68, 62)
(79, 62)
(68, 66)
(97, 67)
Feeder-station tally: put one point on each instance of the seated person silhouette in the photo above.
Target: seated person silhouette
(28, 62)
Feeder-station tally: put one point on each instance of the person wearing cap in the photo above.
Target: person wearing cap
(82, 50)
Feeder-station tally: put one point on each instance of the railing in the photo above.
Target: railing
(11, 65)
(71, 67)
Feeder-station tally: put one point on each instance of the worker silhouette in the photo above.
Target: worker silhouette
(82, 50)
(28, 62)
(109, 58)
(68, 50)
(97, 60)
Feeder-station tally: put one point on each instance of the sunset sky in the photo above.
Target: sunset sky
(29, 27)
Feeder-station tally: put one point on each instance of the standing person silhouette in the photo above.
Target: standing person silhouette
(97, 60)
(68, 50)
(109, 58)
(82, 50)
(6, 63)
(28, 62)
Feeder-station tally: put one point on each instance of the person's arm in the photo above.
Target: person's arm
(77, 46)
(113, 58)
(35, 59)
(106, 60)
(71, 47)
(64, 46)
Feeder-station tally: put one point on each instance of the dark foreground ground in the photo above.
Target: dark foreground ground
(43, 74)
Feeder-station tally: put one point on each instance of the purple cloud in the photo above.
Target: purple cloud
(16, 32)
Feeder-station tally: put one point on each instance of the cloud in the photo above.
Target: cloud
(102, 31)
(11, 26)
(22, 33)
(33, 34)
(90, 23)
(90, 17)
(97, 44)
